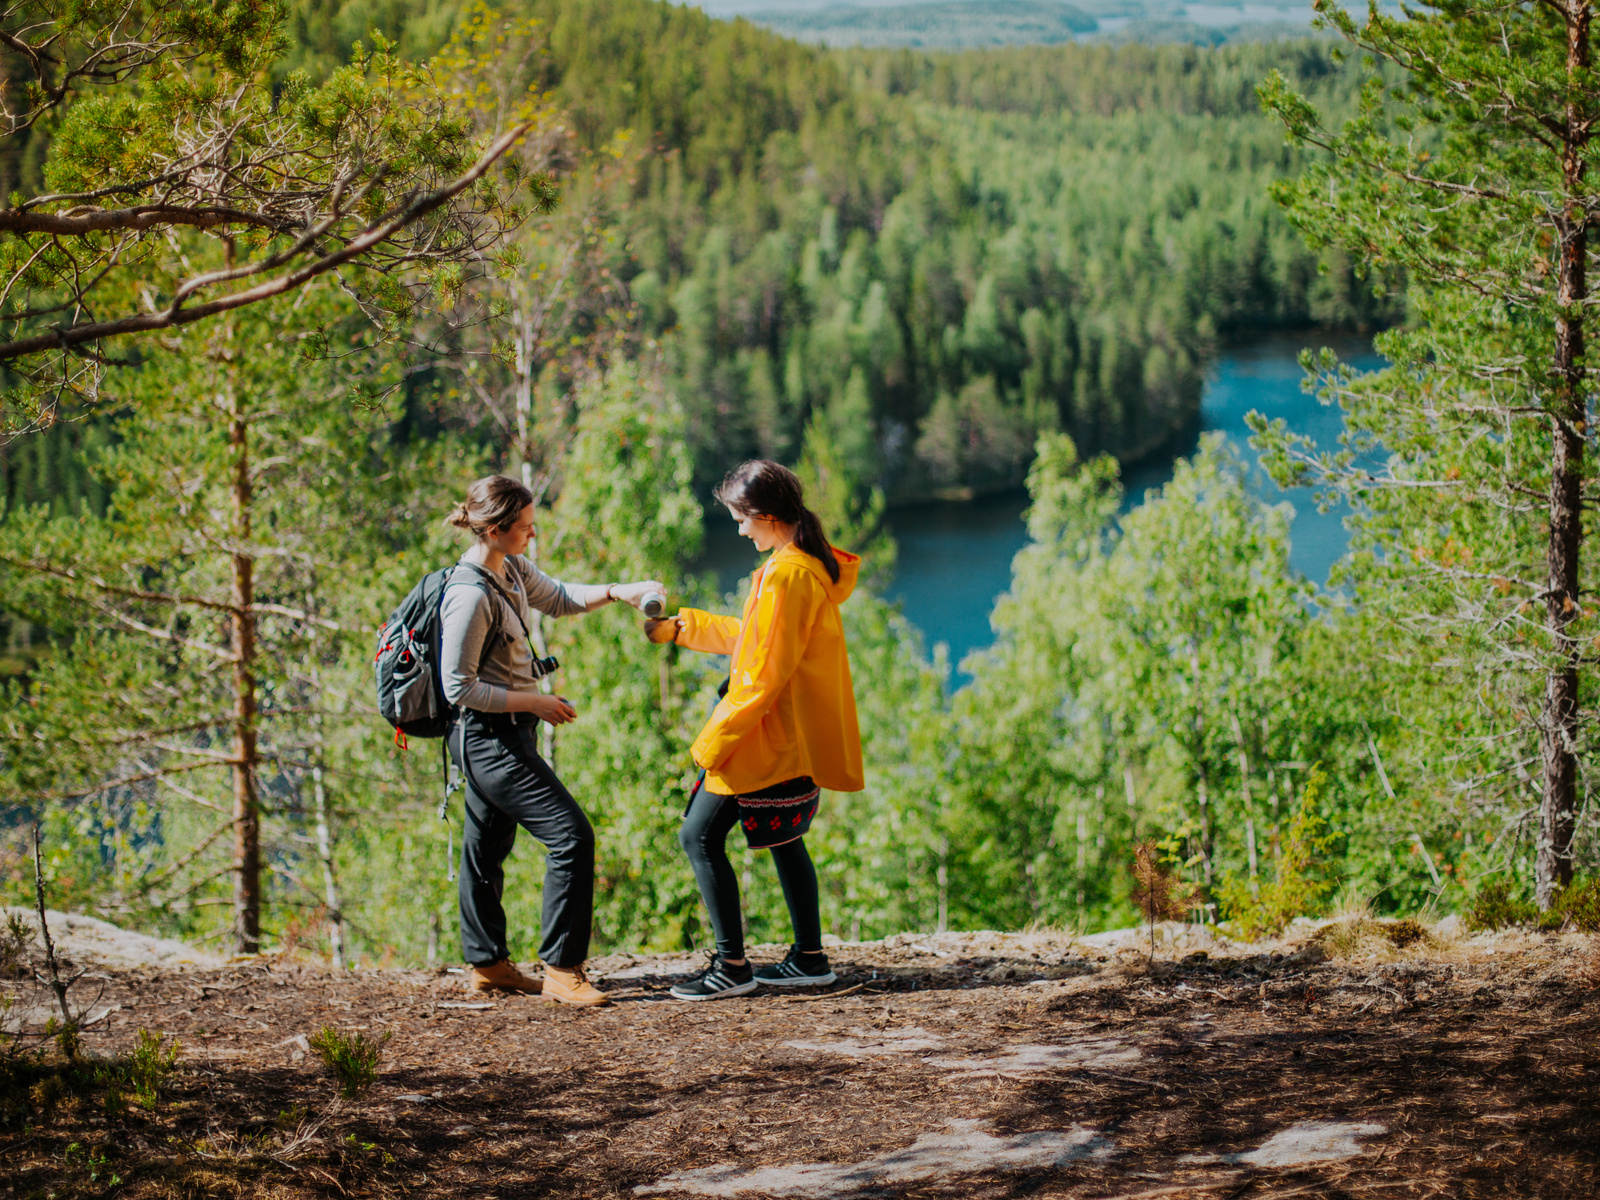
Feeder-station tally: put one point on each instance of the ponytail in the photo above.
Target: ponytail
(810, 538)
(762, 488)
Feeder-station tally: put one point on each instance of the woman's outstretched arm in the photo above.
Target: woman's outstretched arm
(557, 599)
(707, 632)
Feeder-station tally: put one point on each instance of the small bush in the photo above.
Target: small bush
(49, 1092)
(67, 1038)
(14, 940)
(1580, 904)
(1404, 932)
(33, 1085)
(148, 1066)
(1494, 907)
(352, 1059)
(1296, 890)
(94, 1162)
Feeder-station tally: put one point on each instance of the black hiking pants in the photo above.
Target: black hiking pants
(509, 784)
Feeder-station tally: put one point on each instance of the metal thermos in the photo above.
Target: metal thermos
(653, 605)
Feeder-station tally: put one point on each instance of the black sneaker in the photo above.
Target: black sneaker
(717, 982)
(798, 970)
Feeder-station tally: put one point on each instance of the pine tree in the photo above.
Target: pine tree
(1158, 893)
(1467, 169)
(163, 129)
(207, 619)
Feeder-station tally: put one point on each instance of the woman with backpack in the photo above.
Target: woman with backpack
(785, 728)
(488, 670)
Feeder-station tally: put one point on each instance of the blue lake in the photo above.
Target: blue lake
(955, 557)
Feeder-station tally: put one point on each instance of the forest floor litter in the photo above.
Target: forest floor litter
(957, 1064)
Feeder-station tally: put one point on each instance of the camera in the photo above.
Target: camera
(653, 605)
(544, 666)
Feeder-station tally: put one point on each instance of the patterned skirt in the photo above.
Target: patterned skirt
(778, 814)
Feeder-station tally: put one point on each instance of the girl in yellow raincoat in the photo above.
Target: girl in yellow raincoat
(785, 729)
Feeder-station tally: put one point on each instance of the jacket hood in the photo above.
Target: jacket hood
(849, 569)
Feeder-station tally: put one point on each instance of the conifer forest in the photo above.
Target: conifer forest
(282, 277)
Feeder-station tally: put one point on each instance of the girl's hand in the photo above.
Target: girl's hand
(557, 710)
(663, 630)
(634, 593)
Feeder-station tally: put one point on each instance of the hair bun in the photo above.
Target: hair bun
(492, 503)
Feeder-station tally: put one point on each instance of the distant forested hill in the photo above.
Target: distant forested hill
(912, 263)
(949, 26)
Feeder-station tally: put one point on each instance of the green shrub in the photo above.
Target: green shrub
(1580, 903)
(1296, 890)
(14, 940)
(352, 1059)
(149, 1065)
(1494, 907)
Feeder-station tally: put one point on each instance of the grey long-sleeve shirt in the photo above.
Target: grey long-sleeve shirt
(476, 675)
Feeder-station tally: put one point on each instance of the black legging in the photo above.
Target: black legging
(704, 837)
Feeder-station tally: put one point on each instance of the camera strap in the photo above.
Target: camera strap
(499, 589)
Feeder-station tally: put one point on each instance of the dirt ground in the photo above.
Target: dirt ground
(958, 1064)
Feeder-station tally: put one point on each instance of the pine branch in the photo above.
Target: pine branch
(176, 315)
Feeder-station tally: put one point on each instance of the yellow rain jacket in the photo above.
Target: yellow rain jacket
(790, 709)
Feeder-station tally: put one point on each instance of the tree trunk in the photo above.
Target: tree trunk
(1558, 726)
(330, 883)
(319, 796)
(1249, 803)
(246, 803)
(525, 367)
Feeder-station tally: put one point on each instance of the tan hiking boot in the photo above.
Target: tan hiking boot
(501, 976)
(569, 985)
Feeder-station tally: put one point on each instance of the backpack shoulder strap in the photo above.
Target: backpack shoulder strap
(487, 583)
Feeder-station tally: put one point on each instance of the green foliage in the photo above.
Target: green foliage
(148, 1066)
(1459, 460)
(14, 940)
(93, 1161)
(67, 1037)
(906, 273)
(1152, 674)
(351, 1058)
(905, 267)
(1258, 910)
(114, 738)
(1580, 904)
(34, 1083)
(379, 148)
(1496, 905)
